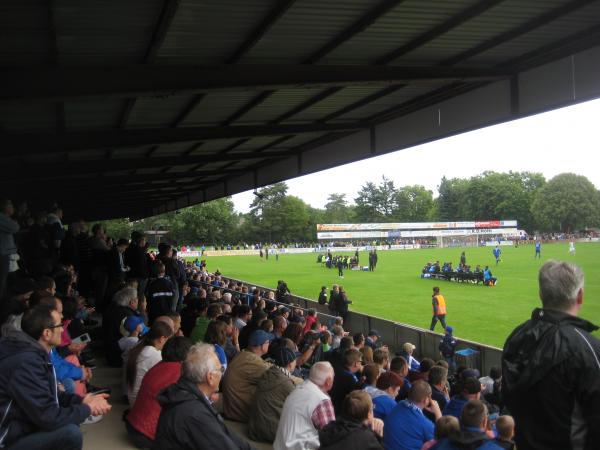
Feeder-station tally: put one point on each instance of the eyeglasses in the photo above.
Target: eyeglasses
(51, 327)
(220, 369)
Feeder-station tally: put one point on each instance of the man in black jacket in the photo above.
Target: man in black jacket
(34, 414)
(188, 420)
(551, 368)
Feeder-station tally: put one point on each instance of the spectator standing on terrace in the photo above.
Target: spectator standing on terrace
(8, 227)
(306, 410)
(161, 294)
(551, 368)
(438, 303)
(406, 427)
(36, 415)
(188, 419)
(243, 373)
(136, 259)
(356, 429)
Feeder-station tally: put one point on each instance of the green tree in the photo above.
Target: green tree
(413, 204)
(376, 202)
(214, 222)
(450, 202)
(568, 202)
(118, 228)
(336, 209)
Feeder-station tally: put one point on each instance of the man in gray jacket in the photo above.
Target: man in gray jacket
(8, 227)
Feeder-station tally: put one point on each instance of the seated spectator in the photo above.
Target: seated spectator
(338, 334)
(407, 354)
(272, 390)
(389, 385)
(438, 380)
(347, 378)
(135, 327)
(36, 415)
(311, 319)
(367, 353)
(232, 347)
(487, 383)
(124, 304)
(142, 419)
(359, 340)
(505, 425)
(423, 372)
(242, 375)
(188, 420)
(399, 366)
(356, 428)
(243, 315)
(326, 340)
(445, 426)
(216, 334)
(405, 426)
(336, 356)
(473, 421)
(306, 410)
(381, 357)
(471, 389)
(176, 318)
(144, 356)
(371, 374)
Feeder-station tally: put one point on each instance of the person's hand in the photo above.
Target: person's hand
(214, 397)
(137, 331)
(76, 348)
(234, 335)
(377, 426)
(97, 403)
(87, 373)
(434, 408)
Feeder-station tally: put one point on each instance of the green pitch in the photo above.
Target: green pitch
(396, 292)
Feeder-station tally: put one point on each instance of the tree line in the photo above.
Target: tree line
(566, 203)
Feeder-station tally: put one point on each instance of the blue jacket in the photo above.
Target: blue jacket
(455, 406)
(383, 405)
(406, 428)
(63, 368)
(468, 438)
(29, 397)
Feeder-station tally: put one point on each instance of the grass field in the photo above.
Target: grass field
(396, 291)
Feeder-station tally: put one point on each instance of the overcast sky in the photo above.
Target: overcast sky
(564, 140)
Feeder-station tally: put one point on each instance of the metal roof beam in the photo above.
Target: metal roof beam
(46, 143)
(64, 83)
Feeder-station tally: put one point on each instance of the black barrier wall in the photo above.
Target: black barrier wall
(395, 334)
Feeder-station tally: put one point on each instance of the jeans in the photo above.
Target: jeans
(68, 437)
(441, 318)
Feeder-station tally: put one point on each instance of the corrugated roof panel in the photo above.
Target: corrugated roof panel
(25, 33)
(306, 27)
(334, 103)
(210, 32)
(86, 155)
(105, 32)
(278, 103)
(90, 114)
(157, 111)
(295, 141)
(217, 107)
(383, 103)
(257, 142)
(126, 153)
(502, 18)
(28, 117)
(558, 29)
(405, 22)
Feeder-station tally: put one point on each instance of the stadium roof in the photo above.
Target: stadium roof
(133, 108)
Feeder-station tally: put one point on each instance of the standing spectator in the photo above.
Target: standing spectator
(272, 390)
(551, 369)
(141, 421)
(342, 302)
(447, 348)
(241, 378)
(406, 427)
(356, 429)
(322, 299)
(188, 419)
(161, 294)
(474, 423)
(306, 410)
(137, 260)
(8, 248)
(36, 415)
(438, 303)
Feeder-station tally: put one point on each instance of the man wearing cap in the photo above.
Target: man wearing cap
(447, 348)
(372, 338)
(471, 390)
(242, 375)
(272, 390)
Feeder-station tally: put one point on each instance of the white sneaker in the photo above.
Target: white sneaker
(92, 419)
